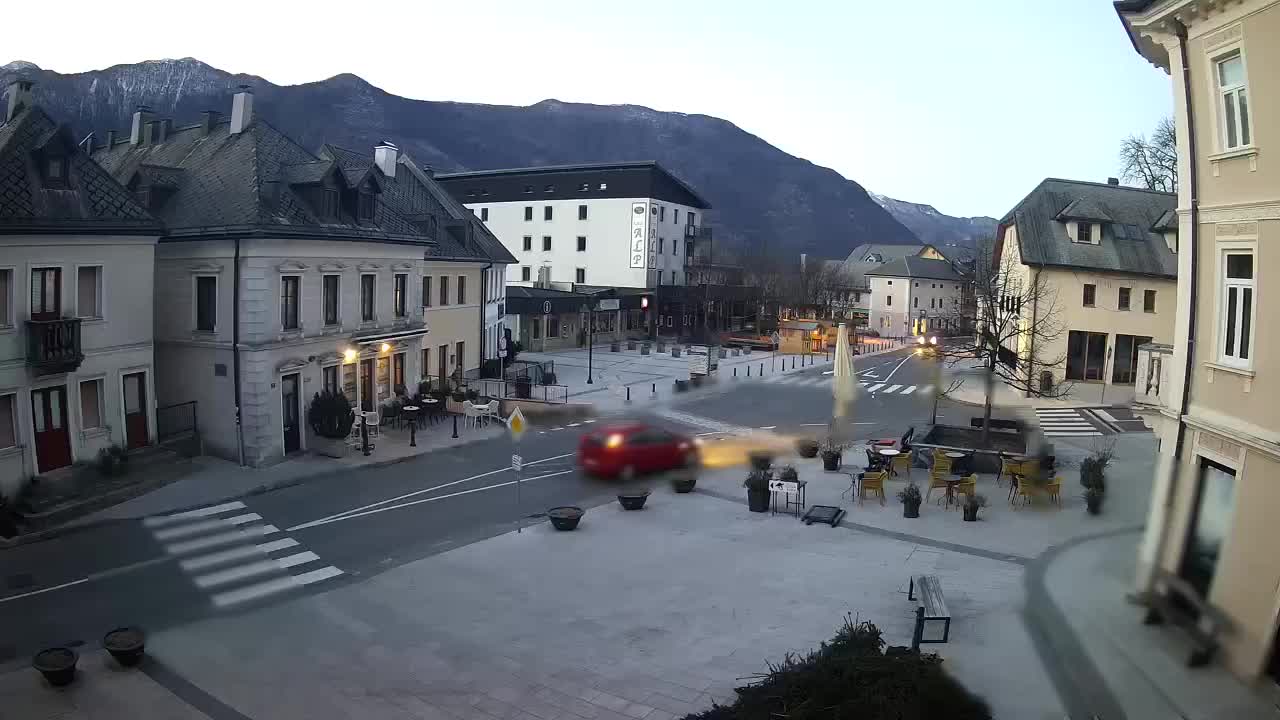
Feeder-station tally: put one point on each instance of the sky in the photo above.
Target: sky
(961, 105)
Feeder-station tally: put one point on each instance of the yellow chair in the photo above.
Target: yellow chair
(1008, 466)
(901, 464)
(1054, 489)
(873, 481)
(968, 486)
(1022, 489)
(937, 480)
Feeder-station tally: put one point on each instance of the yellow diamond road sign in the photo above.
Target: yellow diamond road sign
(516, 424)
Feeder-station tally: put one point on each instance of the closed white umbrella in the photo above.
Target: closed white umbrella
(845, 384)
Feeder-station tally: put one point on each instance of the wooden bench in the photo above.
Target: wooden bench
(1174, 600)
(933, 604)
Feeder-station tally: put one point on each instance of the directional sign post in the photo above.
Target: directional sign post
(516, 426)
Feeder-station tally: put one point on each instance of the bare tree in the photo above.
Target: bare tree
(1153, 162)
(1017, 318)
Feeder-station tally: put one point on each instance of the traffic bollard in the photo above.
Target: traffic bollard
(735, 372)
(628, 393)
(654, 388)
(748, 371)
(761, 369)
(413, 430)
(455, 425)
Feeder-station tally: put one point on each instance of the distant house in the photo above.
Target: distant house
(915, 295)
(853, 299)
(1107, 257)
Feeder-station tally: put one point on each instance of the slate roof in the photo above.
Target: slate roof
(1167, 221)
(1128, 244)
(1084, 208)
(855, 267)
(93, 202)
(918, 267)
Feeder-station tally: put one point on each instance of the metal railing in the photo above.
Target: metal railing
(53, 346)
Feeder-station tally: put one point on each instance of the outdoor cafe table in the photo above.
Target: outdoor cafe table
(430, 401)
(412, 410)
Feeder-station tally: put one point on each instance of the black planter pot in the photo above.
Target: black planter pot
(697, 380)
(682, 385)
(807, 448)
(565, 517)
(970, 515)
(126, 645)
(830, 460)
(615, 347)
(58, 665)
(631, 344)
(758, 500)
(1093, 504)
(760, 461)
(632, 501)
(684, 485)
(911, 510)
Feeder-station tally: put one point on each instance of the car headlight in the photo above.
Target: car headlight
(920, 340)
(933, 341)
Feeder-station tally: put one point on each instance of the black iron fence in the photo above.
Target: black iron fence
(177, 420)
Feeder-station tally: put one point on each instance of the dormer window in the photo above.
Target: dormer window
(364, 206)
(1084, 233)
(327, 203)
(55, 171)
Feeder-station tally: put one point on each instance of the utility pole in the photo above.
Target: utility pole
(591, 326)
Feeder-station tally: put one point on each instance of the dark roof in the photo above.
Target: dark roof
(1167, 221)
(1127, 245)
(918, 267)
(856, 265)
(644, 178)
(539, 293)
(92, 202)
(1084, 208)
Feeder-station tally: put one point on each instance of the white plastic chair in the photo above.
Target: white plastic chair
(469, 414)
(373, 420)
(486, 411)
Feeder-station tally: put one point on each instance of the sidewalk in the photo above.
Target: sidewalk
(973, 391)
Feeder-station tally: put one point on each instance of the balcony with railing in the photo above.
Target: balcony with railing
(53, 346)
(1151, 383)
(697, 232)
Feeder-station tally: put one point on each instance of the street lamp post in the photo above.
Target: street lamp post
(591, 326)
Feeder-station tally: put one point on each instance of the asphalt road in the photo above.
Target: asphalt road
(340, 528)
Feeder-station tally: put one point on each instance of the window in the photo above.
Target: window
(6, 296)
(580, 275)
(8, 422)
(673, 277)
(535, 328)
(688, 249)
(364, 206)
(397, 373)
(368, 283)
(582, 212)
(915, 301)
(525, 273)
(90, 405)
(1149, 301)
(662, 213)
(462, 289)
(546, 212)
(400, 295)
(675, 216)
(444, 290)
(426, 363)
(931, 301)
(1086, 355)
(330, 291)
(1235, 105)
(1236, 323)
(206, 303)
(89, 292)
(528, 189)
(1124, 368)
(329, 378)
(583, 187)
(1084, 233)
(528, 243)
(46, 293)
(426, 291)
(546, 243)
(675, 247)
(660, 245)
(548, 188)
(582, 244)
(484, 214)
(289, 301)
(1122, 301)
(604, 186)
(1215, 501)
(460, 356)
(528, 212)
(1090, 294)
(888, 300)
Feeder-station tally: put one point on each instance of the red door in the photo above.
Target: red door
(135, 410)
(49, 419)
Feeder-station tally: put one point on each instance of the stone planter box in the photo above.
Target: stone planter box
(615, 347)
(331, 447)
(644, 349)
(675, 352)
(736, 352)
(631, 344)
(724, 353)
(662, 347)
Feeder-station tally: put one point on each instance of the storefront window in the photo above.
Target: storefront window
(1214, 501)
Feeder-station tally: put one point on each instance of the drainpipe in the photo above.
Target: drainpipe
(235, 348)
(1193, 191)
(1035, 314)
(484, 304)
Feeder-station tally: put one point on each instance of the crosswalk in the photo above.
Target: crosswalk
(234, 556)
(878, 388)
(1067, 422)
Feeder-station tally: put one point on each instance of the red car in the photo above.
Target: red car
(625, 451)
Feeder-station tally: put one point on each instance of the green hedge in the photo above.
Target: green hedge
(851, 677)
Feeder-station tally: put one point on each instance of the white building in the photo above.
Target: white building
(915, 295)
(625, 225)
(282, 272)
(76, 256)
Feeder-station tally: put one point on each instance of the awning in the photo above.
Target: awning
(391, 336)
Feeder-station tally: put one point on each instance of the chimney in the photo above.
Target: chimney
(166, 129)
(151, 133)
(208, 120)
(111, 138)
(384, 156)
(19, 97)
(141, 117)
(428, 171)
(241, 110)
(1113, 181)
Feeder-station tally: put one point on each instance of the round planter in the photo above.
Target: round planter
(644, 350)
(615, 347)
(970, 515)
(723, 353)
(1093, 504)
(662, 347)
(911, 510)
(758, 500)
(807, 448)
(632, 501)
(631, 345)
(830, 461)
(126, 645)
(675, 352)
(682, 385)
(684, 485)
(58, 665)
(565, 517)
(746, 350)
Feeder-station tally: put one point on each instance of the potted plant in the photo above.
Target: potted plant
(1093, 477)
(911, 498)
(973, 503)
(675, 352)
(684, 480)
(662, 346)
(126, 645)
(57, 664)
(832, 454)
(645, 349)
(113, 461)
(807, 447)
(565, 517)
(633, 498)
(757, 485)
(788, 474)
(8, 526)
(524, 387)
(330, 417)
(760, 460)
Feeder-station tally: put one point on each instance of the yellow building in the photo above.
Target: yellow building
(1213, 394)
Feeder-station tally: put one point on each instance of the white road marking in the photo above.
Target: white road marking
(893, 389)
(1073, 434)
(264, 567)
(212, 541)
(874, 388)
(574, 424)
(316, 523)
(768, 427)
(896, 367)
(219, 558)
(588, 421)
(197, 528)
(926, 389)
(271, 587)
(909, 390)
(556, 428)
(44, 590)
(827, 372)
(161, 520)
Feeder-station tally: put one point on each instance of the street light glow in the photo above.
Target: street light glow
(349, 354)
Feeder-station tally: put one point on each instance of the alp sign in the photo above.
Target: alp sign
(639, 233)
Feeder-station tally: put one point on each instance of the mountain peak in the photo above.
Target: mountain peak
(19, 66)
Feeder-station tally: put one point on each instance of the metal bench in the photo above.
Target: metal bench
(1174, 600)
(932, 610)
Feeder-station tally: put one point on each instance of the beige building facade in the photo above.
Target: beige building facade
(1211, 396)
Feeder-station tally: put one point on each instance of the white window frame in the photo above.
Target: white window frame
(103, 426)
(195, 302)
(1225, 284)
(1222, 93)
(102, 290)
(7, 322)
(14, 415)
